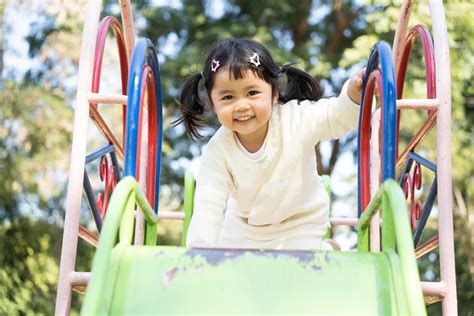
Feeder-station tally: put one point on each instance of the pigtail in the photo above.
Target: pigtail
(191, 106)
(300, 85)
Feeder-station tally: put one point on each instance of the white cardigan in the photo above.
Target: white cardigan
(278, 200)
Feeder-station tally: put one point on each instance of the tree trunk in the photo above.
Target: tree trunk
(341, 24)
(322, 169)
(300, 28)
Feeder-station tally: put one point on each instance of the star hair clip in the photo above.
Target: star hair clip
(214, 65)
(255, 60)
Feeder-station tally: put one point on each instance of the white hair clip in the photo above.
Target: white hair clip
(214, 65)
(255, 60)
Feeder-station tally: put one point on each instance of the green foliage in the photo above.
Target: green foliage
(29, 267)
(28, 272)
(35, 132)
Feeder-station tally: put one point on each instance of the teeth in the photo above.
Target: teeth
(244, 118)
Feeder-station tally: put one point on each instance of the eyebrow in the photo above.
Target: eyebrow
(252, 86)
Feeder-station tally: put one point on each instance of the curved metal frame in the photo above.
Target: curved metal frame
(430, 69)
(380, 56)
(144, 73)
(428, 52)
(110, 22)
(107, 23)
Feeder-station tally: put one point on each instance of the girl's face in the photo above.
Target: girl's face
(243, 105)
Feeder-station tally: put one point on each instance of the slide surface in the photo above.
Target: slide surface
(167, 280)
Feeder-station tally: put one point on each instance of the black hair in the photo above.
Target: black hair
(236, 54)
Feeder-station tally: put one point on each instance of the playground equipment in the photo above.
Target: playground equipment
(381, 278)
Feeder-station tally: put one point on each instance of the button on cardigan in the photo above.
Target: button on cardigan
(278, 200)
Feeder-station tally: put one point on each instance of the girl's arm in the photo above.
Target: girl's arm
(327, 118)
(334, 117)
(210, 199)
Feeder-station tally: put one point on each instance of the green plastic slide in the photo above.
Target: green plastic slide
(131, 280)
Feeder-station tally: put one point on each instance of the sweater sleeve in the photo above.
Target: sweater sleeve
(330, 118)
(210, 199)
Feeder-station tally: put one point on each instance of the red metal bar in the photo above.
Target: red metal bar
(428, 50)
(374, 78)
(108, 173)
(113, 23)
(430, 68)
(148, 86)
(411, 183)
(152, 136)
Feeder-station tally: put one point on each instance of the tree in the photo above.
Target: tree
(27, 272)
(35, 130)
(29, 267)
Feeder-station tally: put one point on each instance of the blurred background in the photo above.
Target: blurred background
(39, 54)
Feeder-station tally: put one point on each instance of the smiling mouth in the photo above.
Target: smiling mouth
(244, 119)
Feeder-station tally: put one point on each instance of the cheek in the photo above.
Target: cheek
(224, 116)
(264, 111)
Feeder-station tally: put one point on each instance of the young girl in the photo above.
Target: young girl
(258, 185)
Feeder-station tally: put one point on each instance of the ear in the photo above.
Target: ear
(210, 103)
(276, 93)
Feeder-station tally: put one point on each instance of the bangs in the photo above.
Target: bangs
(236, 56)
(239, 71)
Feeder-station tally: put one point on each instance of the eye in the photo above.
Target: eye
(227, 97)
(253, 92)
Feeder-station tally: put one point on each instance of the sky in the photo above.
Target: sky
(16, 53)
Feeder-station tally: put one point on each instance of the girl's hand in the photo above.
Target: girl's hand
(355, 86)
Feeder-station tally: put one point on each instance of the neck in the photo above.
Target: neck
(252, 143)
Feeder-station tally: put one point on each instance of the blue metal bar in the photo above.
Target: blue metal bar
(109, 149)
(389, 112)
(99, 153)
(425, 162)
(113, 156)
(143, 54)
(414, 157)
(92, 202)
(153, 62)
(406, 169)
(426, 211)
(381, 54)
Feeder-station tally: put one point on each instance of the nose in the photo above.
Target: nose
(241, 106)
